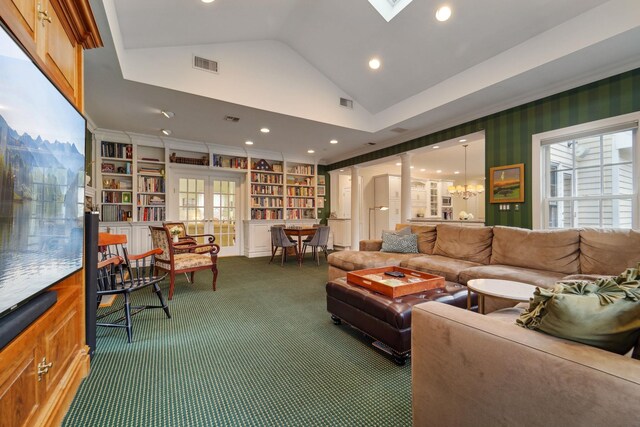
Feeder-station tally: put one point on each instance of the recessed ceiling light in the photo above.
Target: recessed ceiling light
(207, 1)
(435, 146)
(410, 167)
(249, 142)
(265, 130)
(333, 141)
(439, 171)
(166, 131)
(443, 13)
(167, 114)
(374, 63)
(341, 170)
(310, 151)
(463, 140)
(398, 164)
(456, 172)
(423, 170)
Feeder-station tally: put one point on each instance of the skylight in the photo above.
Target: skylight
(389, 8)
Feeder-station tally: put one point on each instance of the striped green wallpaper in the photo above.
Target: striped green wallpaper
(508, 133)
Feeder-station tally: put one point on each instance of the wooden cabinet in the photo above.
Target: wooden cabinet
(341, 231)
(54, 39)
(54, 32)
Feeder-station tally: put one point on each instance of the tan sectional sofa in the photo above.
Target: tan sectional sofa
(537, 257)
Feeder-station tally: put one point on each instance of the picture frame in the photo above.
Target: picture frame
(320, 202)
(126, 197)
(321, 190)
(108, 167)
(321, 180)
(506, 184)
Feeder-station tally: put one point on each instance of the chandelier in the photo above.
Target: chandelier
(465, 191)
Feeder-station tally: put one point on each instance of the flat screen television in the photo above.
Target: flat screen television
(42, 139)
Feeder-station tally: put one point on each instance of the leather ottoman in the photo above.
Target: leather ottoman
(383, 318)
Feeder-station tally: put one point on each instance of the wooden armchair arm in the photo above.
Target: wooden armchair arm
(115, 260)
(191, 248)
(156, 251)
(211, 237)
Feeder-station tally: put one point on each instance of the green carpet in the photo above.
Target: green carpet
(260, 351)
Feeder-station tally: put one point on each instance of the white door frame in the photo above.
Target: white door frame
(209, 176)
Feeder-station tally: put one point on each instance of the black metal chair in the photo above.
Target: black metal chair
(279, 239)
(121, 273)
(320, 240)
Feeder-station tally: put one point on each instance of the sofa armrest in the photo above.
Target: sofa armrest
(370, 245)
(502, 374)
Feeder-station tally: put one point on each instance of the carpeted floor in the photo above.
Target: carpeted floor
(260, 351)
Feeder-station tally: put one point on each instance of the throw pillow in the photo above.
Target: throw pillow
(399, 244)
(604, 313)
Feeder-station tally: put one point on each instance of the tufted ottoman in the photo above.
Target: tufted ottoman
(385, 319)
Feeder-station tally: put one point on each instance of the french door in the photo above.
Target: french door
(210, 205)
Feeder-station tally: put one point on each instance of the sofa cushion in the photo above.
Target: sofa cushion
(449, 268)
(608, 252)
(357, 260)
(550, 250)
(464, 243)
(426, 236)
(604, 313)
(544, 279)
(399, 243)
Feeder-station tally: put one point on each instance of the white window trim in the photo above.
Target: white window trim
(537, 162)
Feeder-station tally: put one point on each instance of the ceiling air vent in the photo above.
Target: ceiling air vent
(399, 130)
(346, 103)
(370, 143)
(232, 119)
(205, 64)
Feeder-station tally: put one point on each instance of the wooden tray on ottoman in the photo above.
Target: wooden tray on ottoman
(412, 282)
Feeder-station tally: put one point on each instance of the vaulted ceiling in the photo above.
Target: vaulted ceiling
(285, 64)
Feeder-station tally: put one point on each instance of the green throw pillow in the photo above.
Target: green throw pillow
(392, 242)
(603, 314)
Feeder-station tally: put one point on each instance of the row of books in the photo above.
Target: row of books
(115, 213)
(266, 214)
(302, 170)
(116, 150)
(299, 214)
(301, 191)
(150, 185)
(266, 202)
(230, 162)
(300, 203)
(266, 178)
(116, 197)
(273, 190)
(151, 214)
(298, 180)
(150, 199)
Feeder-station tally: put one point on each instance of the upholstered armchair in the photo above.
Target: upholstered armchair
(183, 257)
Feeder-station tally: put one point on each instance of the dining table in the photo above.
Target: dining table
(300, 232)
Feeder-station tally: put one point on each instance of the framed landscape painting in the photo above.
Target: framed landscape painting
(506, 184)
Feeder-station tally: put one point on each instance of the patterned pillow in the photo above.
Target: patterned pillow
(392, 242)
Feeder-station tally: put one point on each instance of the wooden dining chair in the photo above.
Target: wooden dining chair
(120, 273)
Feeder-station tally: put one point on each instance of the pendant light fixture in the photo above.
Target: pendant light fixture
(465, 191)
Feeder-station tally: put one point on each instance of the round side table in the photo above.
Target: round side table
(503, 289)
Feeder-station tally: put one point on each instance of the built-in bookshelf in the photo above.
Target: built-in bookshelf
(267, 189)
(151, 191)
(300, 191)
(116, 165)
